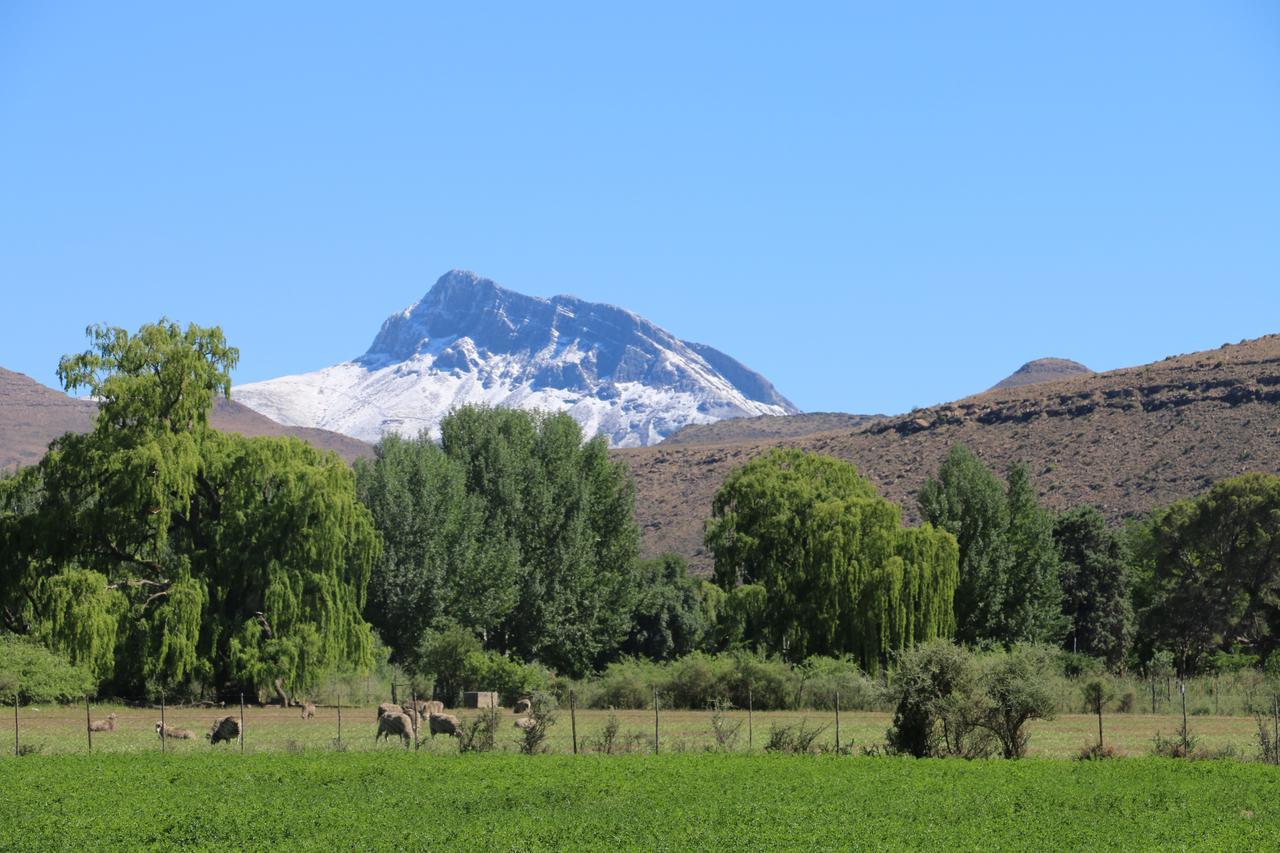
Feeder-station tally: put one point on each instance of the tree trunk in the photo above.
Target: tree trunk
(280, 694)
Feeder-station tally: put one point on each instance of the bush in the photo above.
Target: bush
(824, 677)
(442, 656)
(1127, 702)
(542, 716)
(1014, 694)
(625, 684)
(1096, 752)
(38, 674)
(792, 739)
(511, 679)
(724, 729)
(480, 734)
(934, 691)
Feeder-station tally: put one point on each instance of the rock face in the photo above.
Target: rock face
(1042, 370)
(469, 341)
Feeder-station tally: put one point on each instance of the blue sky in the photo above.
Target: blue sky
(875, 205)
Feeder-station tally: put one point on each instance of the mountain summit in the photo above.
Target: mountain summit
(1042, 370)
(470, 341)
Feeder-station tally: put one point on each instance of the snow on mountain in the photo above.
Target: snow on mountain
(469, 341)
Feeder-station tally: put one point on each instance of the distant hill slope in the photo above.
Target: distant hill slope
(32, 415)
(1042, 370)
(1125, 441)
(767, 426)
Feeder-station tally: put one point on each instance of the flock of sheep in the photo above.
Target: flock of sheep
(224, 729)
(393, 720)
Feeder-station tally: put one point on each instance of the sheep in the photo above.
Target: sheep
(414, 717)
(173, 734)
(308, 711)
(107, 725)
(522, 705)
(525, 723)
(445, 724)
(388, 708)
(224, 729)
(432, 706)
(394, 724)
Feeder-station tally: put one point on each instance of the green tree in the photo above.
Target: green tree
(223, 560)
(1097, 585)
(668, 619)
(1008, 590)
(1216, 571)
(513, 528)
(838, 571)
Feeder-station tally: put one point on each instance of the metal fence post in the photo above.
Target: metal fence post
(749, 703)
(242, 722)
(17, 747)
(88, 724)
(162, 726)
(339, 717)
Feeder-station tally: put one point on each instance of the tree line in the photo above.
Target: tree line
(157, 554)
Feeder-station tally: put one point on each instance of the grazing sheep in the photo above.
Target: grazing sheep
(107, 725)
(173, 734)
(522, 705)
(431, 706)
(388, 708)
(308, 711)
(445, 724)
(525, 723)
(414, 716)
(224, 729)
(394, 724)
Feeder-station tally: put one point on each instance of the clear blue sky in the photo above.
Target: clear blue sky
(876, 205)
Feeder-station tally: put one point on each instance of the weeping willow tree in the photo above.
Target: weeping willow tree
(839, 572)
(164, 554)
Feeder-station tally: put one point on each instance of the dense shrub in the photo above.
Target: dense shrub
(935, 694)
(39, 675)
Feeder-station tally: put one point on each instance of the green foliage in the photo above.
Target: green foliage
(1216, 571)
(1008, 588)
(38, 674)
(1097, 584)
(480, 733)
(514, 528)
(219, 560)
(668, 618)
(541, 717)
(442, 656)
(511, 679)
(839, 572)
(1015, 693)
(935, 691)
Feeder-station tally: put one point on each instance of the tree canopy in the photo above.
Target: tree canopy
(514, 528)
(166, 555)
(838, 571)
(1008, 590)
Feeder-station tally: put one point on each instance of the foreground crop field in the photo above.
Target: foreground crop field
(403, 800)
(53, 730)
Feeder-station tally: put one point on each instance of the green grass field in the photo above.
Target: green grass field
(398, 800)
(55, 730)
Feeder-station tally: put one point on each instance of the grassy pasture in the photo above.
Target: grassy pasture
(54, 730)
(397, 800)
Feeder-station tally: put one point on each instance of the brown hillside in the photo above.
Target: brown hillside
(767, 427)
(32, 415)
(1042, 370)
(1125, 441)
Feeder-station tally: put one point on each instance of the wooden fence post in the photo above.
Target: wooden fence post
(655, 720)
(17, 747)
(162, 726)
(749, 703)
(413, 718)
(339, 717)
(837, 722)
(88, 724)
(242, 722)
(573, 723)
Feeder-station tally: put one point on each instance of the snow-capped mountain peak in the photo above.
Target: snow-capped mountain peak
(471, 341)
